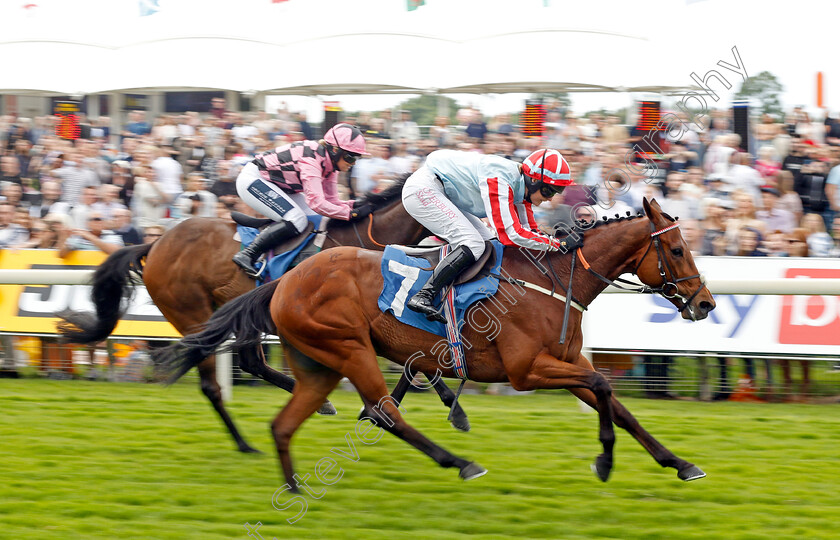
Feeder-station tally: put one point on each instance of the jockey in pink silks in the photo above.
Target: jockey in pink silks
(298, 179)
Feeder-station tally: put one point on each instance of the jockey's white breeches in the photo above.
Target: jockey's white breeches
(269, 200)
(424, 198)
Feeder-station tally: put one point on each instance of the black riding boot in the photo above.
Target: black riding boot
(446, 272)
(268, 238)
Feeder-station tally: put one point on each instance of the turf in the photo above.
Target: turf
(87, 460)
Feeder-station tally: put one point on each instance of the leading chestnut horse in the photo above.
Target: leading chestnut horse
(189, 274)
(326, 311)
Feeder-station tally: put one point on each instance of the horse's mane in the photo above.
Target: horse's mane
(617, 219)
(582, 228)
(387, 196)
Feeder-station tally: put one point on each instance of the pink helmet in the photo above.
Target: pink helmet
(346, 137)
(548, 167)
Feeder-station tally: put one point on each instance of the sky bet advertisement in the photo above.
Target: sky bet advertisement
(740, 323)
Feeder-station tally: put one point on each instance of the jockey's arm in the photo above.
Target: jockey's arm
(526, 215)
(504, 216)
(322, 195)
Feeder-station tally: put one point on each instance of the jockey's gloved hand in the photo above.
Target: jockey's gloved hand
(558, 244)
(361, 209)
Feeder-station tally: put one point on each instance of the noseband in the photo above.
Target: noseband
(668, 289)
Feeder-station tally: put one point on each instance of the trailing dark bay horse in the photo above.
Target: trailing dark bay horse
(326, 311)
(189, 274)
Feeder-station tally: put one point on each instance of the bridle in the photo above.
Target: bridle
(668, 289)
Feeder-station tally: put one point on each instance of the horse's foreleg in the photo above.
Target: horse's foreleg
(623, 419)
(211, 389)
(383, 410)
(253, 361)
(547, 371)
(398, 393)
(447, 396)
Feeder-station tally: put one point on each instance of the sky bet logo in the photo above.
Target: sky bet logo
(803, 320)
(810, 320)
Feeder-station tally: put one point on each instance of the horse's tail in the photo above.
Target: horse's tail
(112, 280)
(247, 317)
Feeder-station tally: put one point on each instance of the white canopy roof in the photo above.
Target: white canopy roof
(290, 48)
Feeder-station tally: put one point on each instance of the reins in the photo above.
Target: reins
(369, 233)
(668, 289)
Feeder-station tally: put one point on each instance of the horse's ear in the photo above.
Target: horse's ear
(646, 205)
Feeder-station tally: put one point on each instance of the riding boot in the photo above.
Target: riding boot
(268, 238)
(446, 272)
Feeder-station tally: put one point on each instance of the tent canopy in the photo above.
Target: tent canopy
(420, 52)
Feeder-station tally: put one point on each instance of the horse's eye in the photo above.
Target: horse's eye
(678, 252)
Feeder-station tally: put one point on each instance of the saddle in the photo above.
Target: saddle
(249, 221)
(432, 254)
(256, 223)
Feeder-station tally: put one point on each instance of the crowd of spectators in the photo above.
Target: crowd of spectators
(113, 189)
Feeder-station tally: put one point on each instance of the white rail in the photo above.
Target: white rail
(761, 286)
(768, 286)
(45, 277)
(764, 286)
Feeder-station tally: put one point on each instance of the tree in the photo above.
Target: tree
(562, 97)
(424, 109)
(764, 88)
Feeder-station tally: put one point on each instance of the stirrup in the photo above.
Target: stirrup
(260, 271)
(253, 275)
(432, 314)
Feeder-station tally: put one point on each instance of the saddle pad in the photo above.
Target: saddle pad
(404, 277)
(278, 263)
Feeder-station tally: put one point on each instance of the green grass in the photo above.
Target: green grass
(86, 460)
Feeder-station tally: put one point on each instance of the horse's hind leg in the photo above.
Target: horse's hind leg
(253, 361)
(171, 303)
(311, 388)
(623, 419)
(210, 387)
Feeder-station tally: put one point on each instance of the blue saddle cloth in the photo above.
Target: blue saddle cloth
(404, 277)
(278, 263)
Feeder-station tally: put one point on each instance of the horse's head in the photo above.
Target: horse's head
(668, 267)
(391, 223)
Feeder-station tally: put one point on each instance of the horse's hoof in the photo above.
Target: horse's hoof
(692, 473)
(472, 470)
(602, 468)
(461, 422)
(327, 409)
(247, 449)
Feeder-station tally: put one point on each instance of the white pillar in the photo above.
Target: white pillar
(232, 100)
(224, 373)
(155, 106)
(258, 102)
(442, 105)
(92, 106)
(116, 115)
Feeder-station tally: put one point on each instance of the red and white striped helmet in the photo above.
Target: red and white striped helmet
(548, 167)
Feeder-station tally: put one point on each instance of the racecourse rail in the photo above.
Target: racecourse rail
(759, 286)
(767, 286)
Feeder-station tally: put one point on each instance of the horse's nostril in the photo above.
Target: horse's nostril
(706, 306)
